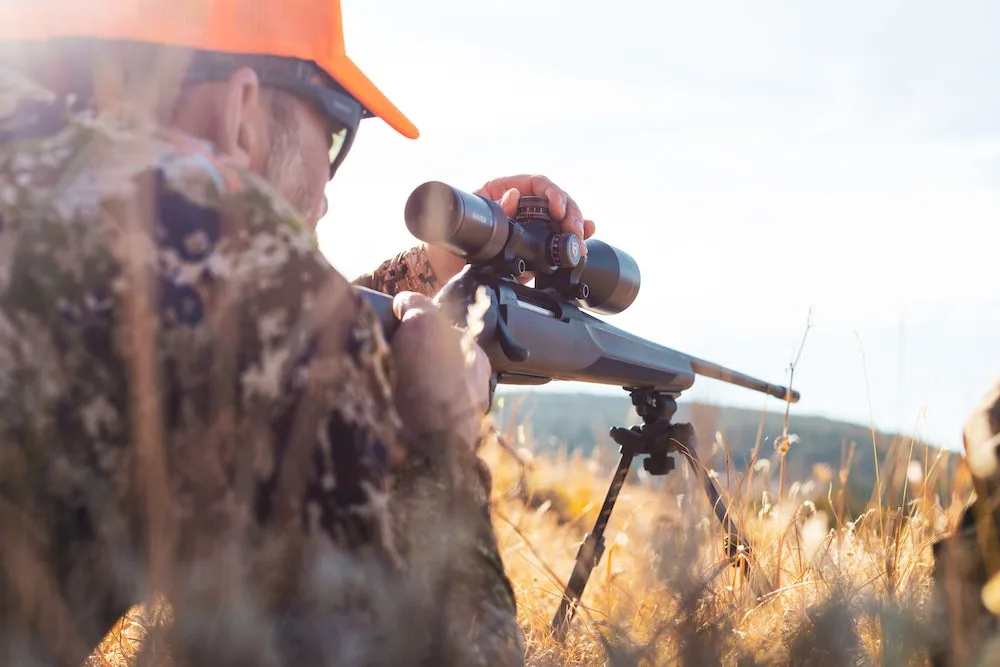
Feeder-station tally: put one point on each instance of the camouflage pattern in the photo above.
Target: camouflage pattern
(195, 403)
(981, 438)
(966, 560)
(484, 592)
(409, 271)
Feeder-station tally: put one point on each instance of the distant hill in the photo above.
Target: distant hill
(581, 421)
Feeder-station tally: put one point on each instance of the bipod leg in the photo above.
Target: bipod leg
(737, 546)
(590, 552)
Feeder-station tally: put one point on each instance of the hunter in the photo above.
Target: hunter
(193, 403)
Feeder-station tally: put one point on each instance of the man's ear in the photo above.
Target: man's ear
(242, 126)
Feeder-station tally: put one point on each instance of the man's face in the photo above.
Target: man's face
(275, 133)
(296, 160)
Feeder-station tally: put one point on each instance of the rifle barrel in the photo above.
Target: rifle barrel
(708, 369)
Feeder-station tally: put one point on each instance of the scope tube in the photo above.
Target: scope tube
(477, 229)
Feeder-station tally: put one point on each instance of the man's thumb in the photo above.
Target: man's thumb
(509, 200)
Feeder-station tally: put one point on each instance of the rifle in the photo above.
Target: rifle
(536, 334)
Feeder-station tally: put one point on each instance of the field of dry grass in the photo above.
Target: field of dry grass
(823, 588)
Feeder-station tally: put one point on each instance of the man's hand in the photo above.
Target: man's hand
(442, 379)
(507, 192)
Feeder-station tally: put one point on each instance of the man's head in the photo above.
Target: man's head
(284, 119)
(266, 81)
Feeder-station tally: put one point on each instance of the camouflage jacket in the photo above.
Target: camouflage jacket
(153, 296)
(409, 271)
(179, 362)
(129, 255)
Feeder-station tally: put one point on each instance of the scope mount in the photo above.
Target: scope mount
(656, 439)
(535, 245)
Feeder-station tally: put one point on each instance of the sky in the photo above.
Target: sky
(769, 165)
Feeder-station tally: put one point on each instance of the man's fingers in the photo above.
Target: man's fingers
(494, 189)
(530, 184)
(509, 201)
(558, 200)
(540, 186)
(562, 209)
(408, 304)
(574, 223)
(421, 320)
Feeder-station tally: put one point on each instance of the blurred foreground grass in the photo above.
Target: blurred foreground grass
(825, 588)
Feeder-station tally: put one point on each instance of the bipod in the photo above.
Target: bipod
(655, 439)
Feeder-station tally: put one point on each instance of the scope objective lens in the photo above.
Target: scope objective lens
(467, 225)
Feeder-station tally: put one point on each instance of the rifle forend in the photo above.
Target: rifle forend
(536, 339)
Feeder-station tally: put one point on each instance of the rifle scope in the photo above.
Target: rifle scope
(607, 280)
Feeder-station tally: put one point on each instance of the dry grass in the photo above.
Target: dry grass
(824, 588)
(655, 599)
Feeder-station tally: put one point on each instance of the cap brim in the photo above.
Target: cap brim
(354, 81)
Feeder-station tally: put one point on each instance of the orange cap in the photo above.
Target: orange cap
(305, 29)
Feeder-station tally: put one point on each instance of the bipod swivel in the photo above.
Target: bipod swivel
(655, 439)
